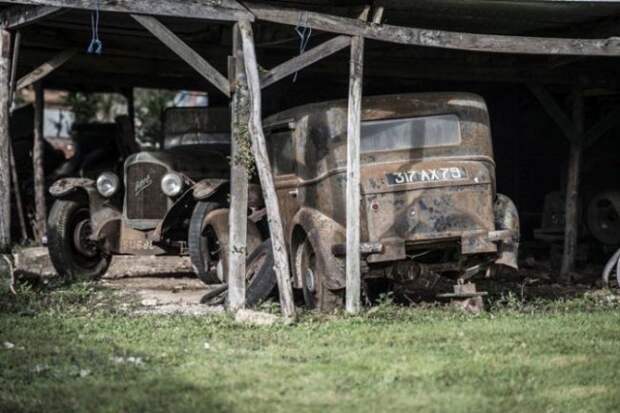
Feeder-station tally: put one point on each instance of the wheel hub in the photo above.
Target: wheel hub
(81, 239)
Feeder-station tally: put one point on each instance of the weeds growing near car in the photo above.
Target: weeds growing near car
(80, 348)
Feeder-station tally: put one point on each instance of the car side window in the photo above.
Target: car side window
(281, 153)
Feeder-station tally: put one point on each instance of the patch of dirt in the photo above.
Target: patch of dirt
(159, 285)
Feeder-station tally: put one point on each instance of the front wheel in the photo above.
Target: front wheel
(72, 252)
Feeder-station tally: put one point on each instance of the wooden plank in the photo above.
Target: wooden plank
(305, 59)
(353, 289)
(45, 69)
(18, 196)
(5, 176)
(437, 38)
(571, 232)
(259, 147)
(37, 164)
(555, 112)
(20, 16)
(14, 176)
(189, 55)
(238, 217)
(229, 10)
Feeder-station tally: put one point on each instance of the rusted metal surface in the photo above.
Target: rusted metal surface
(416, 200)
(140, 219)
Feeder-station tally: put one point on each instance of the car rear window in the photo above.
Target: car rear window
(410, 133)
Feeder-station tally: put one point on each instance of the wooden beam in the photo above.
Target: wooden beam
(229, 10)
(259, 147)
(45, 69)
(571, 231)
(601, 128)
(555, 112)
(5, 140)
(353, 259)
(38, 165)
(305, 59)
(17, 17)
(238, 217)
(437, 38)
(189, 55)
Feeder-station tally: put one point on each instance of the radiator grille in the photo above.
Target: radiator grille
(144, 198)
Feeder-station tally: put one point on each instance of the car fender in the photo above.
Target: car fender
(507, 218)
(322, 232)
(105, 218)
(208, 188)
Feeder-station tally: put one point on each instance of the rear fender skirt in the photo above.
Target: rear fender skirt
(507, 218)
(323, 233)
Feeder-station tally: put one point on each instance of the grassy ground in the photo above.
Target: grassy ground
(75, 350)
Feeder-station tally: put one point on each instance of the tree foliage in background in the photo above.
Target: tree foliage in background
(150, 105)
(105, 107)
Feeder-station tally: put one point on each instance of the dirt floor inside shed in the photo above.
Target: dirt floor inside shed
(165, 285)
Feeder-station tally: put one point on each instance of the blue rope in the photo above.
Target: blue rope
(304, 34)
(96, 45)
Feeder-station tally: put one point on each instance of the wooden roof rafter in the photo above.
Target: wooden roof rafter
(413, 36)
(225, 10)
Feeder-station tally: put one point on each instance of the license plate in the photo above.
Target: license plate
(426, 175)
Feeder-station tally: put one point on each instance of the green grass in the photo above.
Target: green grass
(75, 351)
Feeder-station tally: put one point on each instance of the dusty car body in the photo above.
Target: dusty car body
(430, 215)
(172, 201)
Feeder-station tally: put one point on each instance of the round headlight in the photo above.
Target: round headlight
(172, 184)
(107, 184)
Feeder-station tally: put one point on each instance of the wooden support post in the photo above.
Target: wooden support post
(14, 176)
(305, 59)
(189, 55)
(353, 291)
(238, 217)
(18, 196)
(571, 232)
(259, 147)
(45, 69)
(37, 163)
(5, 176)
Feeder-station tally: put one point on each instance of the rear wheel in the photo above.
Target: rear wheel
(206, 246)
(74, 255)
(316, 295)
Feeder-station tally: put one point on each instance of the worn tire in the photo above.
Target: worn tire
(315, 292)
(70, 264)
(263, 282)
(198, 242)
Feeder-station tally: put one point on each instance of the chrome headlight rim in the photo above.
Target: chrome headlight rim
(108, 184)
(172, 184)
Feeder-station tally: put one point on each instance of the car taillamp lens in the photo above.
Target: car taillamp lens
(107, 184)
(172, 184)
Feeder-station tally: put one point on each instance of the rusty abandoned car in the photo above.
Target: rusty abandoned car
(167, 202)
(430, 215)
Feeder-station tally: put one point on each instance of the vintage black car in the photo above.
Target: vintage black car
(167, 202)
(430, 215)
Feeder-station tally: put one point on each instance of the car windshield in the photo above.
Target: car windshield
(410, 133)
(196, 126)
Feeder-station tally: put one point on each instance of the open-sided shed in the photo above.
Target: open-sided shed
(235, 49)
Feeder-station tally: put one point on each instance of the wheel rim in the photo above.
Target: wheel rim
(81, 239)
(86, 251)
(309, 274)
(212, 258)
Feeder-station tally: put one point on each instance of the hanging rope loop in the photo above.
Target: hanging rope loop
(96, 45)
(304, 32)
